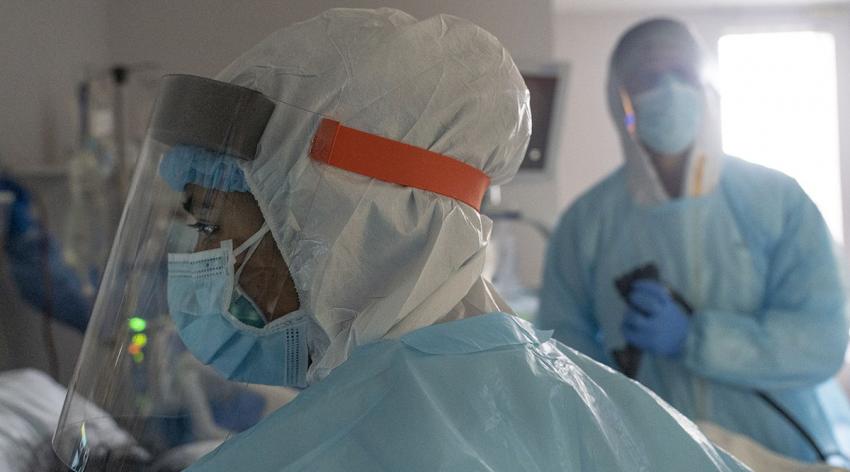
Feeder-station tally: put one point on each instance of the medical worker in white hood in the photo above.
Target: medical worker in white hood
(318, 207)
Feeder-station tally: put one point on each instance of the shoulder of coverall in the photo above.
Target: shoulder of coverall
(601, 194)
(600, 200)
(481, 333)
(767, 199)
(476, 334)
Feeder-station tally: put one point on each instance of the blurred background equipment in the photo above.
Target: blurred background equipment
(99, 169)
(508, 248)
(547, 88)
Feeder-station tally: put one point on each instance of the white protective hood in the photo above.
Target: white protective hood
(372, 259)
(670, 37)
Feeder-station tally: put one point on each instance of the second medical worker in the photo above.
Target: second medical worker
(709, 279)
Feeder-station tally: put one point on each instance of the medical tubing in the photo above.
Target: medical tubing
(518, 217)
(794, 423)
(773, 404)
(632, 372)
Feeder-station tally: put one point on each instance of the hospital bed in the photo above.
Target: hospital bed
(197, 421)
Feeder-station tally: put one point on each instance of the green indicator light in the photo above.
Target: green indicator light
(138, 324)
(140, 339)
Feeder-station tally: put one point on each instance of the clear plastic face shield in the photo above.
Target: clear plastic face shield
(648, 74)
(192, 335)
(202, 318)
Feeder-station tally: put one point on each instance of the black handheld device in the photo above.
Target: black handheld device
(628, 358)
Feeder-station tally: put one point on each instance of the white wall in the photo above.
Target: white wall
(44, 49)
(591, 147)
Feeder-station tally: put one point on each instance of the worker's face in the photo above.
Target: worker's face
(665, 91)
(236, 216)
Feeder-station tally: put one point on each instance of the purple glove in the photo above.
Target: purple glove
(654, 322)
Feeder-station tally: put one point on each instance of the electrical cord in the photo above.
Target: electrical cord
(47, 325)
(629, 359)
(513, 215)
(822, 456)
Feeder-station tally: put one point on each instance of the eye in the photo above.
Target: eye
(204, 227)
(643, 81)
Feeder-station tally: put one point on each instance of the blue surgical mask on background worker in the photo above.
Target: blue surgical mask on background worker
(669, 115)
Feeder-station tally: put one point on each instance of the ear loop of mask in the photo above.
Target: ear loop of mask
(250, 245)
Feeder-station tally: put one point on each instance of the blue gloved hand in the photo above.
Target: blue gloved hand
(656, 323)
(20, 215)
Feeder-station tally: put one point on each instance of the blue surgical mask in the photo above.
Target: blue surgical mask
(222, 327)
(668, 117)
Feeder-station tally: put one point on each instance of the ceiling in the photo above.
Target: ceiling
(630, 5)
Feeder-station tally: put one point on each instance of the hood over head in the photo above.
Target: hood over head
(371, 259)
(655, 40)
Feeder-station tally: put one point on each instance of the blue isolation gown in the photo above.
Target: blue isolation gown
(488, 393)
(754, 259)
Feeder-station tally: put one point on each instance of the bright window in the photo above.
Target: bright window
(779, 109)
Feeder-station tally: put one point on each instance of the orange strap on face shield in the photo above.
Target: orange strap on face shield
(398, 163)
